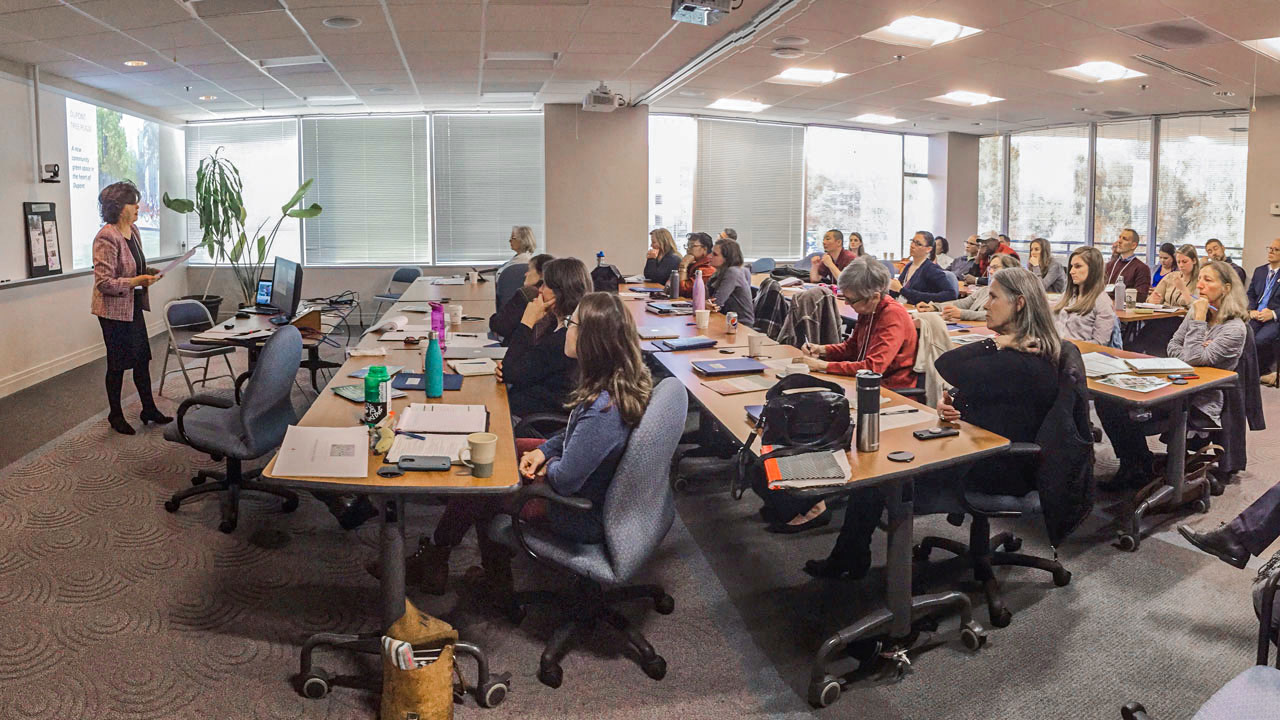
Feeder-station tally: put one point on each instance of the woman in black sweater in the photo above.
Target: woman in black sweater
(662, 258)
(504, 322)
(1005, 385)
(539, 376)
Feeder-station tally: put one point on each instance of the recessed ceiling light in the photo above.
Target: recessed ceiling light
(292, 61)
(547, 57)
(341, 22)
(208, 97)
(806, 76)
(1224, 93)
(737, 105)
(1098, 71)
(136, 63)
(875, 119)
(1267, 46)
(791, 40)
(787, 53)
(975, 123)
(382, 90)
(922, 32)
(964, 97)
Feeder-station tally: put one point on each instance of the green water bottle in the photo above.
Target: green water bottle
(433, 368)
(377, 391)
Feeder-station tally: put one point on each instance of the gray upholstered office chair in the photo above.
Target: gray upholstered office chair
(401, 279)
(246, 426)
(509, 282)
(763, 265)
(953, 282)
(893, 269)
(1255, 692)
(182, 319)
(638, 511)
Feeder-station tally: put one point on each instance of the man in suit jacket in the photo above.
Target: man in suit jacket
(1217, 251)
(1264, 306)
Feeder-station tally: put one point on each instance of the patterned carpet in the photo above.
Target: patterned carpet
(114, 608)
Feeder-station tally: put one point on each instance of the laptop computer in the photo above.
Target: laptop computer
(670, 307)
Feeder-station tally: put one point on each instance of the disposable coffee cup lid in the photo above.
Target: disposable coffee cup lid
(901, 456)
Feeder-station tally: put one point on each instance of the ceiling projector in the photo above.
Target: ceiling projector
(601, 100)
(700, 12)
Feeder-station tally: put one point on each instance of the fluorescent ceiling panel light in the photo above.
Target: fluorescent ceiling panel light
(966, 98)
(875, 119)
(136, 63)
(333, 100)
(806, 76)
(1099, 71)
(291, 61)
(547, 57)
(921, 32)
(1267, 46)
(736, 105)
(207, 98)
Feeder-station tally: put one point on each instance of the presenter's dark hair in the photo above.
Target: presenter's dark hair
(114, 197)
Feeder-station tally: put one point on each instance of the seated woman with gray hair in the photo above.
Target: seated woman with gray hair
(883, 341)
(974, 306)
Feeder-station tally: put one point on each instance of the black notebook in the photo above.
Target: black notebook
(418, 381)
(728, 366)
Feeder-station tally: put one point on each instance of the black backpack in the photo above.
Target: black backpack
(795, 423)
(606, 278)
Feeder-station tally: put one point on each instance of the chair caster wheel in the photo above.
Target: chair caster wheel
(824, 692)
(655, 667)
(1216, 487)
(551, 675)
(198, 480)
(171, 506)
(1133, 711)
(680, 485)
(999, 618)
(664, 605)
(1127, 542)
(317, 684)
(1200, 506)
(1062, 578)
(1013, 544)
(290, 504)
(920, 553)
(492, 693)
(973, 636)
(227, 526)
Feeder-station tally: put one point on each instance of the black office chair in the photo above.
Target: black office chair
(243, 427)
(1064, 478)
(509, 282)
(638, 510)
(400, 281)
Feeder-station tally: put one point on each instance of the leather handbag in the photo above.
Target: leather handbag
(802, 414)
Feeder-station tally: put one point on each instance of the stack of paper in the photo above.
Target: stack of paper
(1097, 364)
(446, 445)
(1135, 383)
(324, 452)
(455, 280)
(469, 340)
(1158, 366)
(439, 418)
(733, 386)
(804, 471)
(478, 366)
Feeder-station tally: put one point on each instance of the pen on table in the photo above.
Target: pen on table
(464, 334)
(406, 433)
(899, 412)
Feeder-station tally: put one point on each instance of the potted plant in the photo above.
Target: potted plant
(219, 203)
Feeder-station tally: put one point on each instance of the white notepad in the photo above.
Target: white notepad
(478, 366)
(442, 418)
(1158, 365)
(434, 444)
(324, 452)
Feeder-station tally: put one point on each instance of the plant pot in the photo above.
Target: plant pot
(211, 302)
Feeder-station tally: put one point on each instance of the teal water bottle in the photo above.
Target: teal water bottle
(433, 368)
(377, 392)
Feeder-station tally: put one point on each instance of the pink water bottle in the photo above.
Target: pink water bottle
(437, 322)
(699, 293)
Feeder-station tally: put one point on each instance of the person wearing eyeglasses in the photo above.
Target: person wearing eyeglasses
(698, 259)
(921, 279)
(966, 264)
(1264, 306)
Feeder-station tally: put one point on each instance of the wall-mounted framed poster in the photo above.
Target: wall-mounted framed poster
(43, 255)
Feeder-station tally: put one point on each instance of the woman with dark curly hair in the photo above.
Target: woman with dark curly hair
(120, 281)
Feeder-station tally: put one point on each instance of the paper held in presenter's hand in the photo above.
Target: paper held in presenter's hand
(178, 261)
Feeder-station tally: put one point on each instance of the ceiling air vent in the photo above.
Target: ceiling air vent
(1119, 113)
(1175, 70)
(1175, 35)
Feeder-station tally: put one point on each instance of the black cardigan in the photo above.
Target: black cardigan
(539, 376)
(504, 322)
(928, 284)
(658, 270)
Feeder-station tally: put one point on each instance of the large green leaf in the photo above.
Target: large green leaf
(305, 213)
(180, 205)
(302, 190)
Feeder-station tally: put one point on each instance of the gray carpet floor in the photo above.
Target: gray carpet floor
(114, 608)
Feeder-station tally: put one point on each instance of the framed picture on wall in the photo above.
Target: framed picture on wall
(43, 254)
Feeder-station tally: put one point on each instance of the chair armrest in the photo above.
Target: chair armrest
(240, 381)
(206, 399)
(540, 425)
(1134, 711)
(540, 491)
(1023, 449)
(1265, 619)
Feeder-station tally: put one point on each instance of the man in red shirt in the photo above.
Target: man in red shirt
(826, 267)
(1125, 265)
(991, 245)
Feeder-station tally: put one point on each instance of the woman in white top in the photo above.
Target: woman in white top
(1175, 289)
(522, 244)
(1085, 312)
(974, 305)
(941, 250)
(1042, 264)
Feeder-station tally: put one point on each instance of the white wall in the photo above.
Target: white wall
(46, 328)
(1263, 182)
(953, 174)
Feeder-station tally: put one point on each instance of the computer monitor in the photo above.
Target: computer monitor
(286, 287)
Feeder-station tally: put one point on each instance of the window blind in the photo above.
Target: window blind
(371, 176)
(1049, 188)
(1200, 181)
(266, 154)
(750, 177)
(488, 177)
(1122, 183)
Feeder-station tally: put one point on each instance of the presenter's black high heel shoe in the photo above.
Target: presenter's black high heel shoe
(154, 416)
(120, 425)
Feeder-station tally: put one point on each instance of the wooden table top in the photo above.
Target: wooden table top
(729, 410)
(1131, 315)
(422, 290)
(1209, 378)
(330, 410)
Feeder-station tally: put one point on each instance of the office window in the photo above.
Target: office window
(915, 154)
(749, 178)
(990, 185)
(266, 154)
(1048, 187)
(370, 174)
(673, 158)
(853, 182)
(103, 147)
(488, 177)
(1200, 182)
(1122, 183)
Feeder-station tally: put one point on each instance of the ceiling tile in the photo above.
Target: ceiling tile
(441, 42)
(611, 42)
(982, 14)
(531, 42)
(274, 48)
(203, 54)
(257, 82)
(179, 34)
(390, 75)
(106, 46)
(622, 18)
(33, 52)
(1252, 21)
(1112, 14)
(445, 17)
(53, 22)
(356, 43)
(255, 26)
(129, 14)
(1049, 27)
(370, 17)
(552, 18)
(74, 69)
(226, 71)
